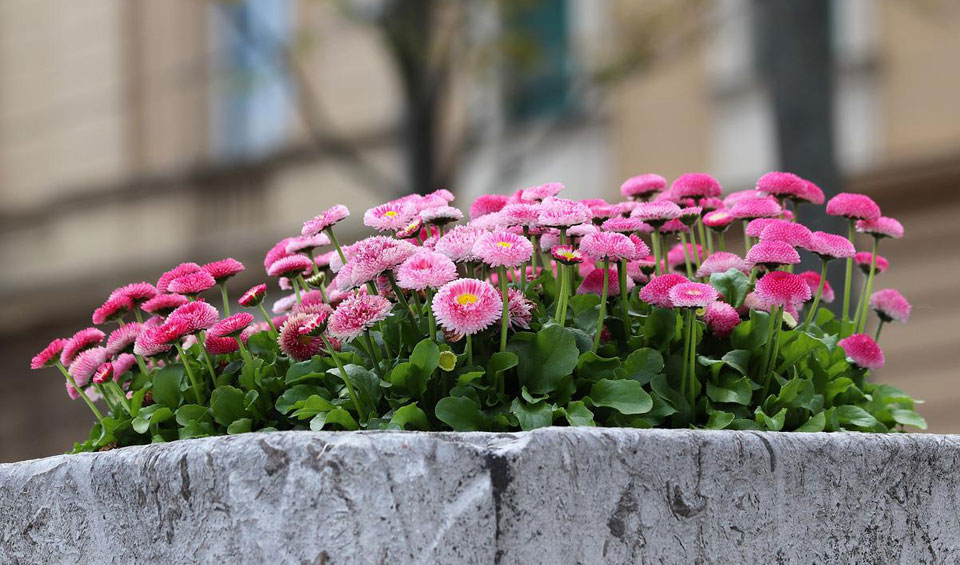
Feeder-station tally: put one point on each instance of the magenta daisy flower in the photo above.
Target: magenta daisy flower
(853, 206)
(864, 258)
(772, 254)
(674, 226)
(790, 233)
(734, 197)
(253, 297)
(277, 252)
(519, 309)
(391, 216)
(231, 326)
(657, 291)
(155, 340)
(593, 282)
(284, 304)
(718, 220)
(326, 219)
(193, 317)
(441, 215)
(710, 203)
(751, 208)
(86, 363)
(224, 269)
(192, 284)
(295, 343)
(642, 186)
(581, 230)
(675, 257)
(812, 279)
(609, 246)
(524, 215)
(103, 373)
(221, 345)
(374, 255)
(563, 213)
(122, 338)
(604, 211)
(137, 292)
(163, 304)
(306, 244)
(640, 248)
(890, 305)
(113, 309)
(721, 262)
(782, 185)
(356, 315)
(487, 204)
(566, 254)
(831, 246)
(174, 273)
(626, 225)
(290, 266)
(780, 288)
(881, 227)
(862, 351)
(83, 339)
(467, 306)
(692, 295)
(426, 269)
(695, 185)
(123, 363)
(503, 249)
(49, 354)
(721, 319)
(542, 191)
(411, 230)
(755, 227)
(656, 213)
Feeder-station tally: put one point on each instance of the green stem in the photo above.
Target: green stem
(137, 315)
(266, 316)
(847, 280)
(141, 364)
(419, 309)
(876, 336)
(746, 238)
(534, 257)
(106, 399)
(206, 358)
(469, 350)
(373, 353)
(226, 301)
(705, 236)
(316, 268)
(624, 298)
(816, 299)
(336, 244)
(243, 350)
(723, 242)
(83, 395)
(687, 333)
(189, 371)
(686, 256)
(296, 289)
(603, 304)
(118, 392)
(398, 291)
(655, 241)
(505, 316)
(776, 321)
(692, 372)
(345, 378)
(693, 249)
(433, 320)
(869, 289)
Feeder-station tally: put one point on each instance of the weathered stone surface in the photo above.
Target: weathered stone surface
(552, 496)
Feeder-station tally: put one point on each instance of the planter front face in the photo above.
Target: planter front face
(558, 495)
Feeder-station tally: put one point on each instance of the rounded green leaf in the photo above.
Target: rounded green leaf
(624, 396)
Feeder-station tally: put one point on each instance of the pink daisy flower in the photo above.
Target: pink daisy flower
(253, 297)
(426, 269)
(174, 273)
(224, 269)
(542, 191)
(647, 264)
(853, 206)
(374, 255)
(103, 373)
(721, 262)
(890, 305)
(695, 185)
(290, 266)
(137, 292)
(711, 203)
(675, 257)
(549, 239)
(113, 309)
(862, 351)
(221, 345)
(154, 340)
(86, 363)
(519, 309)
(593, 282)
(306, 244)
(192, 284)
(163, 304)
(642, 186)
(441, 215)
(391, 216)
(503, 249)
(721, 319)
(326, 219)
(780, 288)
(83, 339)
(656, 213)
(718, 220)
(193, 317)
(640, 248)
(467, 306)
(122, 338)
(562, 213)
(284, 304)
(489, 222)
(734, 197)
(277, 252)
(657, 291)
(881, 227)
(123, 363)
(626, 225)
(410, 230)
(674, 226)
(581, 230)
(525, 215)
(831, 246)
(772, 254)
(756, 227)
(487, 204)
(811, 193)
(812, 279)
(566, 254)
(749, 209)
(690, 215)
(48, 355)
(357, 314)
(783, 185)
(635, 271)
(604, 211)
(692, 295)
(864, 258)
(231, 326)
(790, 233)
(295, 343)
(610, 246)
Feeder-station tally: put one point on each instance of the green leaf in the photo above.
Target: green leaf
(312, 406)
(191, 413)
(719, 420)
(578, 414)
(855, 416)
(310, 369)
(641, 365)
(426, 356)
(624, 396)
(501, 361)
(461, 413)
(736, 390)
(816, 423)
(241, 426)
(166, 386)
(295, 395)
(410, 417)
(733, 285)
(226, 403)
(539, 415)
(837, 386)
(153, 414)
(661, 327)
(908, 418)
(592, 367)
(773, 423)
(751, 334)
(545, 359)
(338, 416)
(738, 360)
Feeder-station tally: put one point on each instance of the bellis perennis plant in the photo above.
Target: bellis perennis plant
(537, 310)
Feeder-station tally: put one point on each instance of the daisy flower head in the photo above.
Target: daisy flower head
(864, 258)
(356, 315)
(411, 230)
(780, 288)
(155, 340)
(519, 309)
(604, 211)
(772, 254)
(193, 317)
(718, 220)
(734, 197)
(890, 305)
(563, 213)
(224, 269)
(192, 284)
(692, 295)
(442, 194)
(721, 262)
(646, 264)
(391, 216)
(83, 339)
(163, 304)
(103, 373)
(277, 252)
(487, 204)
(253, 297)
(812, 279)
(541, 192)
(284, 304)
(296, 343)
(221, 345)
(49, 354)
(657, 291)
(523, 214)
(593, 282)
(755, 227)
(674, 226)
(811, 194)
(86, 364)
(306, 244)
(862, 351)
(326, 219)
(781, 185)
(791, 233)
(656, 213)
(626, 225)
(751, 208)
(231, 326)
(642, 187)
(711, 203)
(830, 246)
(639, 247)
(441, 215)
(123, 363)
(426, 269)
(503, 249)
(137, 292)
(174, 273)
(113, 309)
(881, 227)
(721, 319)
(566, 254)
(489, 222)
(375, 255)
(853, 206)
(610, 246)
(676, 255)
(695, 185)
(457, 244)
(467, 306)
(290, 266)
(122, 338)
(581, 230)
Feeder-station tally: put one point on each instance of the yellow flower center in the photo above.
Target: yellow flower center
(389, 213)
(567, 255)
(466, 298)
(506, 244)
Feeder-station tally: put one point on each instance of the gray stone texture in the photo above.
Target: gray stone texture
(552, 496)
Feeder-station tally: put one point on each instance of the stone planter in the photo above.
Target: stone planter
(554, 496)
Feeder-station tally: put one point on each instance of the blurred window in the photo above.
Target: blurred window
(252, 90)
(538, 76)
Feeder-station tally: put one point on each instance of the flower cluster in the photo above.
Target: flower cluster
(531, 309)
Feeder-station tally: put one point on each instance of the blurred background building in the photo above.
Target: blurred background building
(136, 134)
